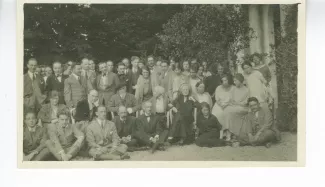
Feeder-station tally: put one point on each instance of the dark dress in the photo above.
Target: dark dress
(209, 132)
(182, 126)
(211, 83)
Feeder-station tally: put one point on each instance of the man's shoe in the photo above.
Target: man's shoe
(268, 145)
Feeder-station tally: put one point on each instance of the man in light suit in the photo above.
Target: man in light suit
(87, 73)
(103, 139)
(33, 97)
(75, 87)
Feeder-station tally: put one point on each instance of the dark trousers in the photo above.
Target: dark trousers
(210, 139)
(143, 138)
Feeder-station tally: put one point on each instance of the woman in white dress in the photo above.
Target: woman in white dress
(201, 95)
(223, 95)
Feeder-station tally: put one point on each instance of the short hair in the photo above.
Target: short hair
(125, 59)
(145, 68)
(239, 77)
(151, 56)
(120, 64)
(31, 59)
(134, 58)
(92, 90)
(246, 63)
(63, 112)
(121, 106)
(56, 62)
(205, 105)
(252, 99)
(120, 86)
(100, 63)
(53, 94)
(29, 112)
(182, 67)
(164, 61)
(100, 106)
(229, 78)
(146, 102)
(74, 65)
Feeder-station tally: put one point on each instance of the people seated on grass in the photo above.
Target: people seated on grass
(184, 118)
(208, 128)
(84, 113)
(223, 98)
(126, 126)
(65, 140)
(257, 128)
(123, 98)
(151, 131)
(48, 112)
(34, 137)
(103, 140)
(237, 109)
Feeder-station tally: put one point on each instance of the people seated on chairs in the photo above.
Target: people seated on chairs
(65, 140)
(208, 128)
(34, 137)
(150, 130)
(123, 98)
(184, 119)
(85, 110)
(125, 126)
(257, 128)
(48, 112)
(103, 140)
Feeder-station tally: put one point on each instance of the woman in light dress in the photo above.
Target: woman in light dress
(144, 88)
(178, 79)
(237, 109)
(256, 84)
(186, 68)
(223, 95)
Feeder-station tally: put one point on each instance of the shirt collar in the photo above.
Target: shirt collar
(76, 76)
(58, 75)
(31, 74)
(100, 122)
(31, 129)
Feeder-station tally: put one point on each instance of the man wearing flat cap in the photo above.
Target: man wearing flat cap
(123, 98)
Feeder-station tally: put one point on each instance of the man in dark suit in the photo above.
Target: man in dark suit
(123, 78)
(125, 126)
(33, 97)
(133, 74)
(150, 131)
(55, 82)
(85, 110)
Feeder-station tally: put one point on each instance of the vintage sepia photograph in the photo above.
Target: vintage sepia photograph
(158, 82)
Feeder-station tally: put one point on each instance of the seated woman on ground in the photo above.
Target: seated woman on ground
(208, 128)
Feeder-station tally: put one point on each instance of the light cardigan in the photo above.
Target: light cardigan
(139, 91)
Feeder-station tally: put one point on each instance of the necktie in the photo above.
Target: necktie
(148, 119)
(34, 76)
(79, 80)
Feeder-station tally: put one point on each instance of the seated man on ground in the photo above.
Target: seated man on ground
(125, 126)
(34, 147)
(65, 140)
(103, 139)
(123, 98)
(257, 127)
(150, 130)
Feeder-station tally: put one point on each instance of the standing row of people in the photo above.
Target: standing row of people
(176, 103)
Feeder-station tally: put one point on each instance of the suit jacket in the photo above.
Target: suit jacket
(264, 121)
(91, 77)
(127, 128)
(83, 112)
(45, 114)
(102, 137)
(152, 128)
(112, 82)
(74, 91)
(129, 101)
(34, 140)
(32, 93)
(53, 84)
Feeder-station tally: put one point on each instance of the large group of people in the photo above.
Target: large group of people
(106, 110)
